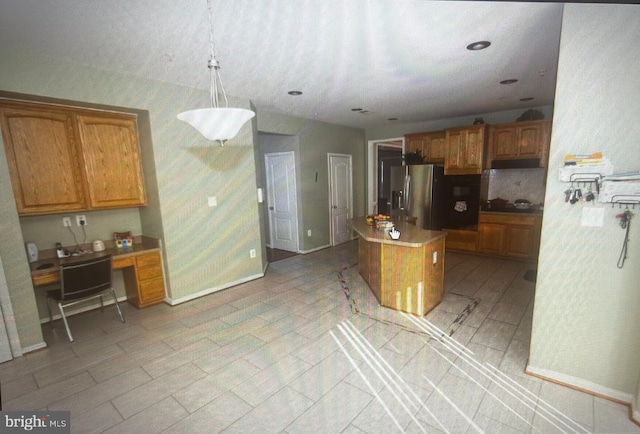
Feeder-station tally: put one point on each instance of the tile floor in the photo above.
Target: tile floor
(308, 349)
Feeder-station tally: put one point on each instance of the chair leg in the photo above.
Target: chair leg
(115, 300)
(49, 310)
(66, 325)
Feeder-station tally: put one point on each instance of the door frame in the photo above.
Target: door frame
(329, 196)
(270, 244)
(372, 164)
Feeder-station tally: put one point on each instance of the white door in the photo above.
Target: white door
(340, 197)
(281, 200)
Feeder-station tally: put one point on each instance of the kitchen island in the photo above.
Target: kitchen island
(406, 274)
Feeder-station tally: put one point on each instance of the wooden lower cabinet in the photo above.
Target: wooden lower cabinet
(515, 236)
(145, 281)
(404, 278)
(461, 239)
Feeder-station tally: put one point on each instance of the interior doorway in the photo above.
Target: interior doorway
(340, 197)
(280, 172)
(378, 152)
(387, 158)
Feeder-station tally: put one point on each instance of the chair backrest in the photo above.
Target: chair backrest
(86, 278)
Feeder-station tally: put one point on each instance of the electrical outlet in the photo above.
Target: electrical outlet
(66, 222)
(212, 201)
(81, 220)
(308, 232)
(252, 253)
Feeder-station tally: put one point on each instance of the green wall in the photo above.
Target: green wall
(315, 140)
(205, 248)
(585, 320)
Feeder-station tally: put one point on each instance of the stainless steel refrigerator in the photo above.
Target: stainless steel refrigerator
(419, 191)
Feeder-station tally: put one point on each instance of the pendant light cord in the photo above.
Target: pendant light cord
(214, 67)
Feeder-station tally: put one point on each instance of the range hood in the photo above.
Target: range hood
(525, 163)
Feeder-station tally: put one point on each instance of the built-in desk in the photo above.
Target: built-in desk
(141, 266)
(406, 274)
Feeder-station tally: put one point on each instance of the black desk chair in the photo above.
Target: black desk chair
(81, 281)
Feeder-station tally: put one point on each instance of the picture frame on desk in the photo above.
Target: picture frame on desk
(123, 240)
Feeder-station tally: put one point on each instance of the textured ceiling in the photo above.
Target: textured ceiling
(394, 58)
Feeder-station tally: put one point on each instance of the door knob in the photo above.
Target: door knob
(271, 208)
(335, 207)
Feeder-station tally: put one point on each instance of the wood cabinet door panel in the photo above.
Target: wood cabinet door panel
(112, 161)
(473, 149)
(529, 141)
(491, 238)
(454, 149)
(503, 142)
(520, 241)
(42, 158)
(413, 144)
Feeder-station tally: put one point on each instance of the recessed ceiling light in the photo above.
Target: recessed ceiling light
(294, 92)
(480, 45)
(526, 99)
(509, 81)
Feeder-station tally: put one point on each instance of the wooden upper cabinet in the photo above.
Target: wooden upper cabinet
(111, 155)
(65, 159)
(43, 160)
(502, 141)
(413, 143)
(434, 147)
(520, 140)
(430, 145)
(464, 150)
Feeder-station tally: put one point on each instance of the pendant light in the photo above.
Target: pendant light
(216, 123)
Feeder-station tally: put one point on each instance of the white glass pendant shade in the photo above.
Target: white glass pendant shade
(218, 123)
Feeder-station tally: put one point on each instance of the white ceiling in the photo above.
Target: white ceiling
(395, 58)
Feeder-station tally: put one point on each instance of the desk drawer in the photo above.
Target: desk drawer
(151, 272)
(117, 263)
(45, 279)
(151, 290)
(148, 259)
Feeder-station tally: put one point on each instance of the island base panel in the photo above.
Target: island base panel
(403, 278)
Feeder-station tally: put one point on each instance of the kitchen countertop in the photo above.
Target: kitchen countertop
(510, 209)
(410, 235)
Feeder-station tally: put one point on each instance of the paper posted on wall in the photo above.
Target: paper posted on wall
(622, 187)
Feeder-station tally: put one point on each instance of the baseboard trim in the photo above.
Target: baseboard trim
(175, 302)
(580, 385)
(32, 348)
(315, 249)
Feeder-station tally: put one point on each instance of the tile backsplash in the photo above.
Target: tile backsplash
(512, 184)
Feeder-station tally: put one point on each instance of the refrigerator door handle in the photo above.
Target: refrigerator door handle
(407, 193)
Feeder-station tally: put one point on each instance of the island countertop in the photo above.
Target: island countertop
(410, 235)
